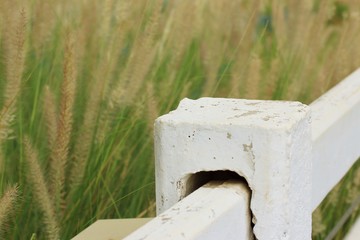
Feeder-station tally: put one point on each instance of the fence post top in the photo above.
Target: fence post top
(225, 111)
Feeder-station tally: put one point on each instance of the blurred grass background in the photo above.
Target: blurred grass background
(81, 83)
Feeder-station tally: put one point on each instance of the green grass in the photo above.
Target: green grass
(133, 62)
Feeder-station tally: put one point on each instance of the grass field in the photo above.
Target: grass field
(81, 83)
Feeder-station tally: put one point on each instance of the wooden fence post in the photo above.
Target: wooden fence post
(266, 142)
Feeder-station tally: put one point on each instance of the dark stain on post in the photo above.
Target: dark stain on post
(249, 149)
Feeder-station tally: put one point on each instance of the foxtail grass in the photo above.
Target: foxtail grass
(7, 205)
(60, 151)
(40, 191)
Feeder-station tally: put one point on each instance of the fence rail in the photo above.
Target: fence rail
(204, 214)
(281, 149)
(335, 134)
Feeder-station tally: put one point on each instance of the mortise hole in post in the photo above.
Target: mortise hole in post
(196, 180)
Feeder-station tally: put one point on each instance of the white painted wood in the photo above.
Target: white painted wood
(335, 134)
(266, 142)
(114, 229)
(354, 233)
(218, 210)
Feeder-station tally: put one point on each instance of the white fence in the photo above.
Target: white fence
(289, 155)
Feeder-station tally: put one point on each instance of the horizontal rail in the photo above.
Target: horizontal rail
(105, 229)
(335, 135)
(218, 210)
(354, 232)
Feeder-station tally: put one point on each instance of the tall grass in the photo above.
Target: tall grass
(81, 83)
